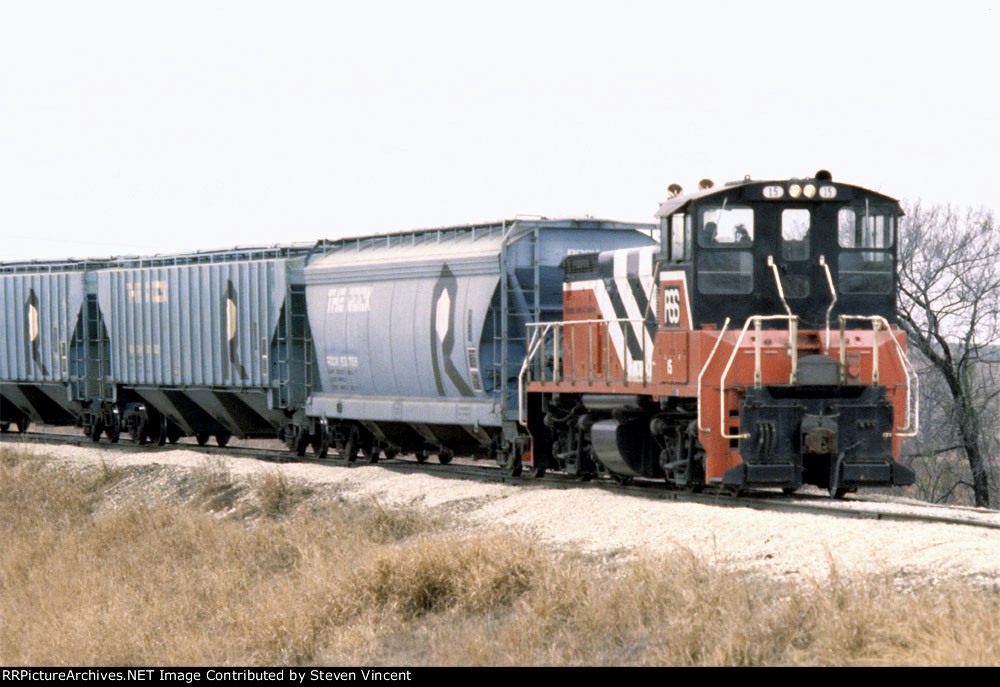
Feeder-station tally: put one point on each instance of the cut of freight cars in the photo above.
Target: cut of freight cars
(753, 344)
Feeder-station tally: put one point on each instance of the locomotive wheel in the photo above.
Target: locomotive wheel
(838, 493)
(370, 453)
(222, 438)
(536, 472)
(202, 438)
(445, 457)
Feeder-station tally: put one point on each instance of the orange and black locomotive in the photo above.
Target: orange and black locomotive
(755, 346)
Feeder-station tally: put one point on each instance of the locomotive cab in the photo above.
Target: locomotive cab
(798, 257)
(733, 241)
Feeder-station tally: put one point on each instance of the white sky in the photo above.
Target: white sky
(137, 127)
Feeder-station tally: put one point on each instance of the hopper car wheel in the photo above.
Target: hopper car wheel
(621, 480)
(445, 457)
(302, 440)
(174, 434)
(22, 424)
(421, 456)
(4, 426)
(202, 438)
(536, 472)
(838, 493)
(320, 441)
(510, 463)
(391, 453)
(96, 430)
(222, 438)
(140, 432)
(350, 451)
(159, 436)
(370, 454)
(789, 490)
(113, 430)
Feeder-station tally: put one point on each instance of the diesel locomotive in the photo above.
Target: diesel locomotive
(748, 338)
(755, 346)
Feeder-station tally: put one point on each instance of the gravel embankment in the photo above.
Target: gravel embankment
(782, 545)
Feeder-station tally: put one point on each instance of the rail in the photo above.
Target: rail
(548, 336)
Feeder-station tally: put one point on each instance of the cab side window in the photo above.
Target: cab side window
(725, 263)
(679, 238)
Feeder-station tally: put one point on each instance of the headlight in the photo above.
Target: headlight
(809, 191)
(794, 190)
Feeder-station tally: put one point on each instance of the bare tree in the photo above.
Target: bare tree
(949, 306)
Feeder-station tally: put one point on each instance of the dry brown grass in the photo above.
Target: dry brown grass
(256, 577)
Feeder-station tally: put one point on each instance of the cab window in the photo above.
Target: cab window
(863, 227)
(795, 225)
(726, 227)
(725, 272)
(678, 237)
(867, 236)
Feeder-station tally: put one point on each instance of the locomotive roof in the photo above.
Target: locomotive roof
(672, 205)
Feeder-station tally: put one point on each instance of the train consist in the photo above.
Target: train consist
(747, 339)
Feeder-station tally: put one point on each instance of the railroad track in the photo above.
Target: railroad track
(851, 507)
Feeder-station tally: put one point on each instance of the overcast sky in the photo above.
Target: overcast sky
(138, 127)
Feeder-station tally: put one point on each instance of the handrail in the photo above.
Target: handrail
(756, 319)
(536, 342)
(777, 282)
(533, 345)
(833, 294)
(540, 330)
(704, 368)
(879, 322)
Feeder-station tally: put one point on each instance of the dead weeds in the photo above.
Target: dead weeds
(164, 579)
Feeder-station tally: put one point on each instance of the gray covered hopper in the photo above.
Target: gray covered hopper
(428, 327)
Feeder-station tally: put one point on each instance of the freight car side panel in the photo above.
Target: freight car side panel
(41, 312)
(403, 337)
(193, 325)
